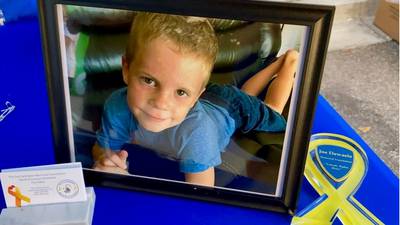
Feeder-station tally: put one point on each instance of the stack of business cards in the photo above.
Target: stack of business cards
(43, 184)
(52, 194)
(76, 213)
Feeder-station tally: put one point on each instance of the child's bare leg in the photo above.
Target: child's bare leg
(279, 91)
(259, 81)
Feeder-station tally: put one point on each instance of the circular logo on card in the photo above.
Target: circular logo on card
(67, 188)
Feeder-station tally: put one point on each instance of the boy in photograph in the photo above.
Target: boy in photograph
(169, 106)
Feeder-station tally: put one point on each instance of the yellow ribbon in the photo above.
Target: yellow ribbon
(336, 200)
(18, 196)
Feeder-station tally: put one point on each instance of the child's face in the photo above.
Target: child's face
(163, 84)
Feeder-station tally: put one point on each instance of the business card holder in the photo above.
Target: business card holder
(77, 213)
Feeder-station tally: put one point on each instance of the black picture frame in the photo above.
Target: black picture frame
(318, 21)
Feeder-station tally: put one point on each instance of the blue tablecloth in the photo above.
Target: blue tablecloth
(26, 139)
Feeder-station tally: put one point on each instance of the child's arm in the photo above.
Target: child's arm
(109, 161)
(206, 177)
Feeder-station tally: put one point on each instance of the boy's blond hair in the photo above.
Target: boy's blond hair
(192, 35)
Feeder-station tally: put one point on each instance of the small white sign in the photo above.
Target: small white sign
(43, 184)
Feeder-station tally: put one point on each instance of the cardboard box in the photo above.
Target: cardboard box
(387, 18)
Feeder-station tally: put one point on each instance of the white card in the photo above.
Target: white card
(43, 184)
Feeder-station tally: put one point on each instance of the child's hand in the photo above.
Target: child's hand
(112, 161)
(110, 169)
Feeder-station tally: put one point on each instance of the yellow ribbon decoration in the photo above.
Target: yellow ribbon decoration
(335, 202)
(18, 196)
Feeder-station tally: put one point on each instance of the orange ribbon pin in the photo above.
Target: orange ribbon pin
(14, 191)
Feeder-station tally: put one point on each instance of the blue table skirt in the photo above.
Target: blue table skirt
(26, 140)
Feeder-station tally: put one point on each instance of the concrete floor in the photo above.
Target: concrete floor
(362, 84)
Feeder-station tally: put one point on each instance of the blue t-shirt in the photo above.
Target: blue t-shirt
(196, 143)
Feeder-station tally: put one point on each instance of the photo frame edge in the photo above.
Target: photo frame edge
(289, 198)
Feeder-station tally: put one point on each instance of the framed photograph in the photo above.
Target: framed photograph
(210, 100)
